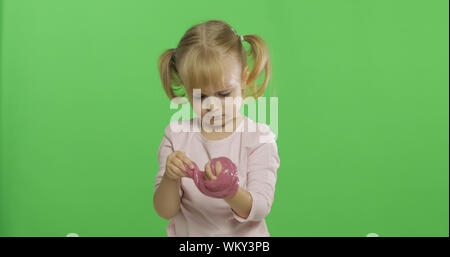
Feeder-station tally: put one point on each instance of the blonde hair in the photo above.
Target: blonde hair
(197, 59)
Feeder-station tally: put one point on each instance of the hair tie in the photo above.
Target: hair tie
(240, 36)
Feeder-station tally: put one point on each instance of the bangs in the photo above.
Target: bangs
(203, 68)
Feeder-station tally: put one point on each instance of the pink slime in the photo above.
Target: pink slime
(224, 186)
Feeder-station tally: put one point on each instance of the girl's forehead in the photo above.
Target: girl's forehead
(230, 82)
(215, 89)
(210, 83)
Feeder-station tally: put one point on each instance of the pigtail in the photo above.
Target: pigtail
(168, 73)
(259, 52)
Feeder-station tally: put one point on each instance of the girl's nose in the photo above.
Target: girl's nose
(212, 107)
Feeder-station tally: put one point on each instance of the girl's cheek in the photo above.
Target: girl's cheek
(198, 111)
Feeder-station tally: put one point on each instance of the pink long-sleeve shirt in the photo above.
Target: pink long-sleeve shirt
(252, 147)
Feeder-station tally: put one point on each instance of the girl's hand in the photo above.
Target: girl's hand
(208, 172)
(174, 165)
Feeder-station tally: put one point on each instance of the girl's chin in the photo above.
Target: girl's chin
(219, 123)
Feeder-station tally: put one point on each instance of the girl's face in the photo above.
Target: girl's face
(219, 106)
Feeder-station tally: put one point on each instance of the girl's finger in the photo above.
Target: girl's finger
(179, 164)
(218, 168)
(208, 172)
(176, 170)
(183, 156)
(188, 162)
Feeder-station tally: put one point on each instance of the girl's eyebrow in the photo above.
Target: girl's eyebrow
(225, 90)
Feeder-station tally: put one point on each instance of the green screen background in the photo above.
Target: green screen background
(362, 126)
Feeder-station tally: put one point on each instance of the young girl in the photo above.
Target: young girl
(211, 57)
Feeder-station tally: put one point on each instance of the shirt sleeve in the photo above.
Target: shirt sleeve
(165, 149)
(263, 163)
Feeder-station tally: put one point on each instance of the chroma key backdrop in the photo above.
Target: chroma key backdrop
(362, 125)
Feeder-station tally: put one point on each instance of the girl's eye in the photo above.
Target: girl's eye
(222, 95)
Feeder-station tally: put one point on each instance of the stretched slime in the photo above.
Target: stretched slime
(224, 186)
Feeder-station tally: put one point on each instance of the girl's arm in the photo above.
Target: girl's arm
(167, 194)
(241, 202)
(254, 202)
(166, 199)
